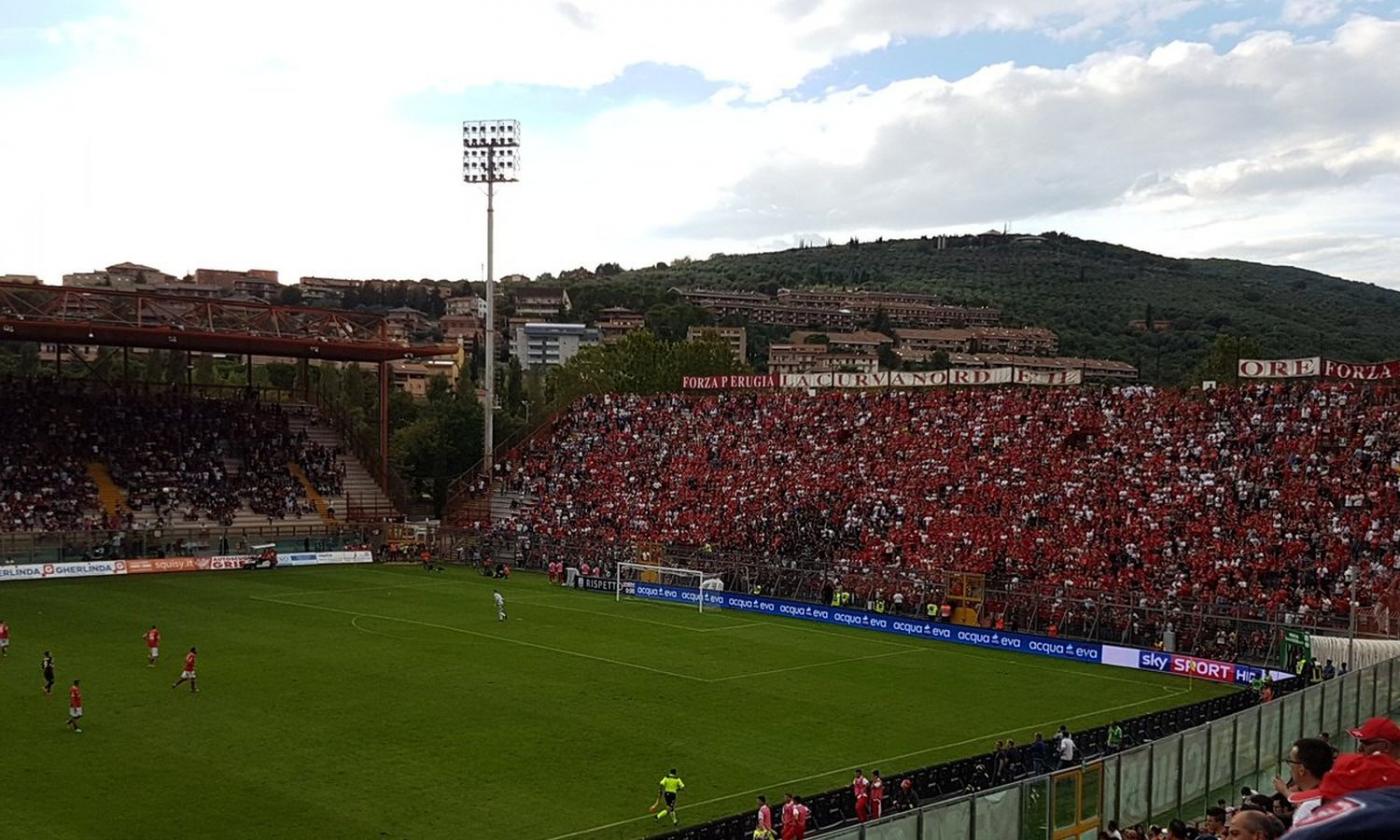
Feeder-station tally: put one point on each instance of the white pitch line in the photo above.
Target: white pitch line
(547, 605)
(479, 634)
(419, 585)
(818, 665)
(878, 761)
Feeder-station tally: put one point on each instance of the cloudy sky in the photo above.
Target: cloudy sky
(324, 138)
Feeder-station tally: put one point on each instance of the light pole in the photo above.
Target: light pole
(490, 156)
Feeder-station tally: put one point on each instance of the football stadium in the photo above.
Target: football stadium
(763, 435)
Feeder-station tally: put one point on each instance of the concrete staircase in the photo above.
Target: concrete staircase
(360, 487)
(317, 500)
(109, 495)
(505, 506)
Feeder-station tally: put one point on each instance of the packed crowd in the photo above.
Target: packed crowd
(178, 459)
(1258, 499)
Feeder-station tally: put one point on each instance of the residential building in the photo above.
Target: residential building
(947, 339)
(540, 345)
(617, 321)
(1036, 341)
(841, 297)
(539, 303)
(854, 312)
(22, 279)
(402, 323)
(465, 327)
(414, 376)
(466, 305)
(861, 341)
(127, 276)
(818, 358)
(736, 337)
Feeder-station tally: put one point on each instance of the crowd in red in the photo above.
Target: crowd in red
(169, 452)
(1263, 496)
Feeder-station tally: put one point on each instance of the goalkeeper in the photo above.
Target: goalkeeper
(670, 786)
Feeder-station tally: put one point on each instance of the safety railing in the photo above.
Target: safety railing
(1176, 776)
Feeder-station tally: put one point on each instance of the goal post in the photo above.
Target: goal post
(687, 579)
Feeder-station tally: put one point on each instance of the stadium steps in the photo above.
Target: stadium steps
(317, 500)
(359, 485)
(505, 506)
(112, 497)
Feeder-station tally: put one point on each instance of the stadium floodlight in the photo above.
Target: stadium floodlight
(689, 584)
(490, 156)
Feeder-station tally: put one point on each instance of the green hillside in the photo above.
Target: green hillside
(1086, 291)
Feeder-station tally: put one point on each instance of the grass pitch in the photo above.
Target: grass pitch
(374, 702)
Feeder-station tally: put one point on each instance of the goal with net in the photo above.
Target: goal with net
(669, 583)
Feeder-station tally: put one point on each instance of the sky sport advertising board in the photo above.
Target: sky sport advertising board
(1115, 655)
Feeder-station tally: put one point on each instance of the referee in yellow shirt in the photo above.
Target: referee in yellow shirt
(671, 785)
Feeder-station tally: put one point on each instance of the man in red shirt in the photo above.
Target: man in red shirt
(860, 788)
(764, 829)
(188, 673)
(152, 638)
(802, 814)
(75, 707)
(877, 795)
(789, 818)
(4, 638)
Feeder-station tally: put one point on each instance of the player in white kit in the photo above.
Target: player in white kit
(500, 605)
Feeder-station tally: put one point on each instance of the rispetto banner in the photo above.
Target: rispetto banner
(1122, 657)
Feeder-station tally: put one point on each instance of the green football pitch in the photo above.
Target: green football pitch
(388, 702)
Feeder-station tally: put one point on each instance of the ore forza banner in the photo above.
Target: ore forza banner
(1316, 366)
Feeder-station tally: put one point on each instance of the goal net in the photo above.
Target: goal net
(668, 583)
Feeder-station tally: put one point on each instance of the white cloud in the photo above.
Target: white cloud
(1310, 12)
(270, 135)
(1229, 29)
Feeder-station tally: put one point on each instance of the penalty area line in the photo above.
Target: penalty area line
(478, 634)
(846, 767)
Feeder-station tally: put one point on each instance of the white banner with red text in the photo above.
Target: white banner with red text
(1317, 366)
(891, 379)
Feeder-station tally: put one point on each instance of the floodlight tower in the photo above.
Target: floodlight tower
(490, 156)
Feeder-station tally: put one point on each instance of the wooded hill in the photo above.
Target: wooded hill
(1161, 314)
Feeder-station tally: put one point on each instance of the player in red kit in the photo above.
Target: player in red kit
(152, 638)
(4, 638)
(789, 817)
(764, 829)
(75, 707)
(877, 796)
(860, 787)
(188, 673)
(803, 814)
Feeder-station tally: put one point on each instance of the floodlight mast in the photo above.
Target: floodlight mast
(490, 155)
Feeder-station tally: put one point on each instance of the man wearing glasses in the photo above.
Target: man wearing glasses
(1308, 761)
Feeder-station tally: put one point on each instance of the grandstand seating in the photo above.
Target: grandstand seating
(75, 458)
(1259, 496)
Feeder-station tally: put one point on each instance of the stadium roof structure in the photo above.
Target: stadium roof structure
(111, 318)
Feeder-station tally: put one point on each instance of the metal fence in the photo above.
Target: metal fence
(1175, 777)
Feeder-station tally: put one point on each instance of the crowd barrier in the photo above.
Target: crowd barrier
(1050, 646)
(1175, 773)
(1175, 777)
(159, 565)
